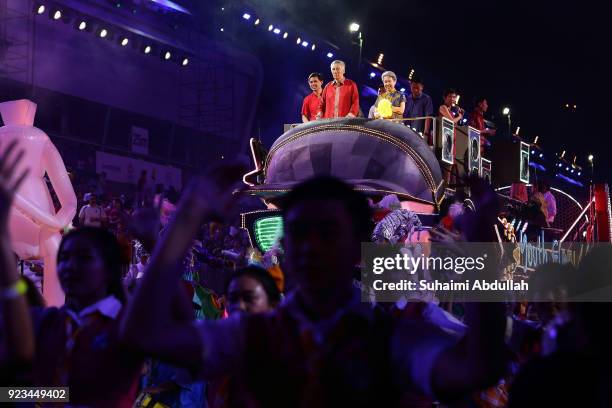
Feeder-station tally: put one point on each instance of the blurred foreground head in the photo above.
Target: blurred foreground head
(325, 222)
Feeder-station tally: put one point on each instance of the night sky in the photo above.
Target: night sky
(535, 57)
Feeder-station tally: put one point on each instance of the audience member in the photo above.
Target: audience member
(290, 356)
(91, 214)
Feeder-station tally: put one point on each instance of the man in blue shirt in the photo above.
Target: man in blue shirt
(419, 104)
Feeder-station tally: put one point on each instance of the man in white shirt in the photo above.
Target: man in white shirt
(91, 215)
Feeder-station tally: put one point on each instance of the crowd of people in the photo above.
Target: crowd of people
(161, 335)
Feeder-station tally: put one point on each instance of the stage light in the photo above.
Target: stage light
(563, 154)
(533, 152)
(567, 105)
(535, 141)
(167, 55)
(541, 155)
(584, 234)
(575, 106)
(518, 129)
(82, 25)
(313, 47)
(125, 41)
(185, 61)
(403, 90)
(257, 22)
(147, 49)
(246, 16)
(330, 55)
(506, 111)
(40, 9)
(276, 31)
(304, 43)
(221, 29)
(103, 33)
(354, 27)
(380, 58)
(57, 15)
(591, 158)
(372, 74)
(579, 173)
(572, 171)
(299, 40)
(270, 27)
(285, 35)
(567, 169)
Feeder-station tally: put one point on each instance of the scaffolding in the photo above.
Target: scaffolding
(16, 40)
(207, 95)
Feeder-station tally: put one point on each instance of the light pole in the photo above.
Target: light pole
(354, 28)
(506, 112)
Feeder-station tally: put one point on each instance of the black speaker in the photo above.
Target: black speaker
(445, 141)
(485, 169)
(511, 158)
(467, 147)
(524, 171)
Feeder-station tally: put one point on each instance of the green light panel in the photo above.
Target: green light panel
(267, 231)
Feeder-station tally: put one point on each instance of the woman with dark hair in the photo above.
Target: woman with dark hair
(449, 108)
(251, 290)
(76, 345)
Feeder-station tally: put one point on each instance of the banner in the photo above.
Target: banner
(127, 170)
(140, 140)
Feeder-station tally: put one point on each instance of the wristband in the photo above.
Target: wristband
(15, 290)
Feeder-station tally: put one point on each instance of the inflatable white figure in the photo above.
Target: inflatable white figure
(34, 225)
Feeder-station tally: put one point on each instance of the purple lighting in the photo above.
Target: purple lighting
(246, 16)
(171, 5)
(304, 43)
(372, 74)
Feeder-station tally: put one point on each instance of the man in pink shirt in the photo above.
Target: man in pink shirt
(340, 97)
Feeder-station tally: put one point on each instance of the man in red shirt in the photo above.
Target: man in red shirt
(340, 97)
(310, 106)
(477, 120)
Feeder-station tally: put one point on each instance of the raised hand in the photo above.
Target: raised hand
(478, 226)
(10, 180)
(214, 192)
